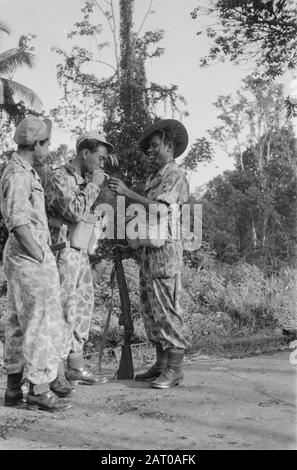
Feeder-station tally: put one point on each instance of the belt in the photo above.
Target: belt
(60, 246)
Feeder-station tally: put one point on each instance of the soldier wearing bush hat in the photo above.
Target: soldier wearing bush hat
(33, 333)
(174, 129)
(161, 261)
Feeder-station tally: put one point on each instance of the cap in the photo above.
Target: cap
(94, 136)
(32, 129)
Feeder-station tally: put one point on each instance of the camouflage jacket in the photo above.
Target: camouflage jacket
(169, 185)
(22, 197)
(68, 197)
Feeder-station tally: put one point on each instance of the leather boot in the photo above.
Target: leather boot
(40, 397)
(172, 375)
(60, 386)
(77, 372)
(14, 393)
(156, 370)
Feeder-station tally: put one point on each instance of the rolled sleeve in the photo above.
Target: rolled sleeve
(166, 198)
(16, 195)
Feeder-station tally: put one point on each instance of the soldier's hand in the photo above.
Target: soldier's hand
(41, 256)
(37, 254)
(116, 185)
(97, 177)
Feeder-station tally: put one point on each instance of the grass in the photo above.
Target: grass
(231, 311)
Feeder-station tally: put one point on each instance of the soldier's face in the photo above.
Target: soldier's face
(41, 153)
(94, 161)
(158, 152)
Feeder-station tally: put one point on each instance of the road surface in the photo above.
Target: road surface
(247, 403)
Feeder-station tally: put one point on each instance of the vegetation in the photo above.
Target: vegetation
(122, 103)
(14, 96)
(263, 31)
(230, 310)
(249, 213)
(258, 32)
(10, 61)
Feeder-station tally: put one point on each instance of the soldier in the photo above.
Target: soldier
(160, 267)
(69, 197)
(33, 334)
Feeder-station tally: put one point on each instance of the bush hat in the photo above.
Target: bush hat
(94, 136)
(32, 129)
(177, 129)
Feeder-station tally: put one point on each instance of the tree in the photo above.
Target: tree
(251, 118)
(122, 103)
(79, 110)
(243, 30)
(16, 100)
(252, 214)
(10, 61)
(201, 151)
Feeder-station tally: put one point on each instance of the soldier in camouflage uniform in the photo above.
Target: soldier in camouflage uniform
(160, 267)
(33, 334)
(69, 196)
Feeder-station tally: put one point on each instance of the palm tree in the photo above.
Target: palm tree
(10, 61)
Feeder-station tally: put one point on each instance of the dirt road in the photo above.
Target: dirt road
(245, 403)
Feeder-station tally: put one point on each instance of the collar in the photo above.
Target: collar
(154, 181)
(168, 165)
(74, 172)
(18, 160)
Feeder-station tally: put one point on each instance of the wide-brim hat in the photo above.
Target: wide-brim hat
(94, 136)
(177, 130)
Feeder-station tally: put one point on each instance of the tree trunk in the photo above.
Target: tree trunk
(126, 63)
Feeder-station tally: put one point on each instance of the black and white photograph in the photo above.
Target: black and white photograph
(148, 209)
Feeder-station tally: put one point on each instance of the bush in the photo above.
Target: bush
(220, 303)
(232, 302)
(101, 275)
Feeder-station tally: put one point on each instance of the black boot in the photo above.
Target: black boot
(60, 386)
(77, 372)
(14, 393)
(172, 375)
(40, 397)
(157, 369)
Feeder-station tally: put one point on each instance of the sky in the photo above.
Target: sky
(51, 20)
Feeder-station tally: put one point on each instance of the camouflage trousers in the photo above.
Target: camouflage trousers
(77, 298)
(160, 288)
(33, 330)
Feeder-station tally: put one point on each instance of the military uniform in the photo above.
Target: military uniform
(68, 197)
(160, 268)
(33, 336)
